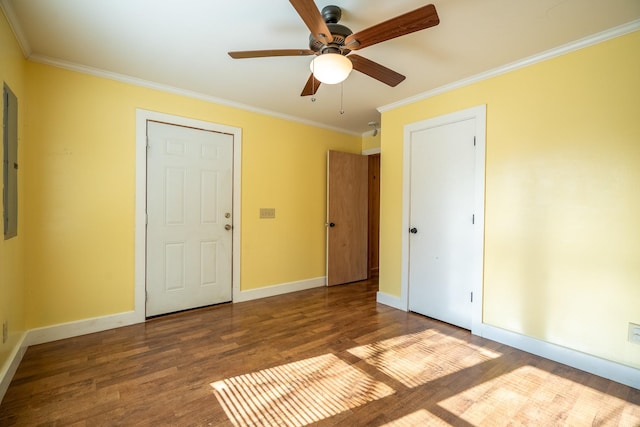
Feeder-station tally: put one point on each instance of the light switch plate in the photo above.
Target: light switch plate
(268, 213)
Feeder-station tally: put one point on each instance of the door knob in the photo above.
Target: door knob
(413, 230)
(227, 227)
(331, 224)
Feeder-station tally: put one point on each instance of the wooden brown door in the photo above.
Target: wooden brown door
(374, 214)
(347, 217)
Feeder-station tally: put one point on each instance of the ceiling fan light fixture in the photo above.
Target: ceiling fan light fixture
(331, 68)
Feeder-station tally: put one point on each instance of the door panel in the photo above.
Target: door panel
(441, 218)
(347, 209)
(189, 202)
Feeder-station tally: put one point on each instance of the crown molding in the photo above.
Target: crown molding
(15, 26)
(612, 33)
(175, 90)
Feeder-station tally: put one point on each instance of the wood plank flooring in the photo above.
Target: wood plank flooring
(326, 356)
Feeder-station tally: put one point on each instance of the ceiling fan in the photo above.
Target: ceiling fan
(332, 44)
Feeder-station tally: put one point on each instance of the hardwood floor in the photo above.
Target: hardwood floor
(329, 356)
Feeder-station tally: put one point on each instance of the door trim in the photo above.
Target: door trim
(142, 116)
(478, 113)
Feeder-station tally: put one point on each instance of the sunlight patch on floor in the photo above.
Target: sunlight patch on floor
(530, 393)
(298, 393)
(416, 359)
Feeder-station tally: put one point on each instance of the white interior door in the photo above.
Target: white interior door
(189, 210)
(441, 263)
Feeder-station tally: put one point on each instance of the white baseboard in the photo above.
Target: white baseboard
(285, 288)
(10, 366)
(97, 324)
(82, 327)
(608, 369)
(391, 301)
(614, 371)
(605, 368)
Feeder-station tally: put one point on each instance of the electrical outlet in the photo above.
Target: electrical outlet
(267, 213)
(5, 331)
(634, 333)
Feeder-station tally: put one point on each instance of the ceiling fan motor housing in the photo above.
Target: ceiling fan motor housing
(332, 15)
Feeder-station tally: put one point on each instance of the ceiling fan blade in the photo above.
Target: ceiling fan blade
(311, 87)
(375, 70)
(313, 19)
(272, 52)
(419, 19)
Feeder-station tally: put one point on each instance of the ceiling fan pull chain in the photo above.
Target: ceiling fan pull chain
(342, 98)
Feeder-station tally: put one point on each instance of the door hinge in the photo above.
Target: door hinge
(474, 141)
(471, 296)
(146, 296)
(473, 219)
(146, 218)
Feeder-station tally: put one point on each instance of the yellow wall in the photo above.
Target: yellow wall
(80, 182)
(563, 172)
(562, 245)
(369, 141)
(12, 285)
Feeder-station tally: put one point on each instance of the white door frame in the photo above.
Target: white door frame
(478, 113)
(142, 116)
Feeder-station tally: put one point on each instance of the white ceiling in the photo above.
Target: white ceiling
(184, 43)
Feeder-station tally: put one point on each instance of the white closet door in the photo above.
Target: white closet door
(441, 222)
